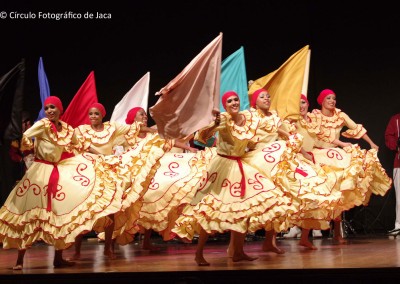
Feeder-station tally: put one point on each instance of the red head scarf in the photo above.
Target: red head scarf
(255, 96)
(130, 117)
(303, 97)
(100, 107)
(54, 101)
(323, 95)
(226, 96)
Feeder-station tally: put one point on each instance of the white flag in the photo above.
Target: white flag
(137, 96)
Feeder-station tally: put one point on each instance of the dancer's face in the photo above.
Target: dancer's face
(141, 116)
(95, 116)
(263, 101)
(329, 102)
(303, 107)
(232, 104)
(52, 112)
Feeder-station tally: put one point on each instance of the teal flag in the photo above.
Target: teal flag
(234, 78)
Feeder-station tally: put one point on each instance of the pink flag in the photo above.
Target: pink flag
(137, 96)
(187, 102)
(77, 111)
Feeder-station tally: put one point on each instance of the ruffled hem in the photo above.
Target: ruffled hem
(358, 178)
(21, 230)
(137, 166)
(161, 214)
(259, 211)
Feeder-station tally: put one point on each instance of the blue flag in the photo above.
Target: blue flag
(43, 86)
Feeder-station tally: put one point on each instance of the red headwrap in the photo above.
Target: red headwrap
(255, 96)
(100, 107)
(324, 94)
(130, 117)
(226, 96)
(54, 101)
(303, 97)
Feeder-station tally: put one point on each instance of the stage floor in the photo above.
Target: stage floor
(361, 260)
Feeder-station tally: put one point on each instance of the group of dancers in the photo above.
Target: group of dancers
(262, 173)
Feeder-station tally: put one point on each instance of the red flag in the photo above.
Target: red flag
(77, 111)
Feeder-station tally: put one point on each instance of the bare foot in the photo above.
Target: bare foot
(243, 256)
(274, 249)
(200, 260)
(339, 240)
(229, 252)
(307, 244)
(109, 255)
(18, 267)
(76, 256)
(63, 263)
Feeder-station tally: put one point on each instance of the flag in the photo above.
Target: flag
(77, 111)
(233, 78)
(187, 102)
(43, 87)
(137, 96)
(286, 84)
(11, 102)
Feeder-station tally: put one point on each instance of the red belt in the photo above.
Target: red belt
(243, 180)
(53, 179)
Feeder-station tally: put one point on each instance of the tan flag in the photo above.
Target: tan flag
(187, 102)
(286, 84)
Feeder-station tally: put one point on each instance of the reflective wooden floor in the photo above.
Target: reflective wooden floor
(363, 258)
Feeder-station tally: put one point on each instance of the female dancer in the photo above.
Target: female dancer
(170, 185)
(361, 171)
(60, 196)
(226, 200)
(311, 187)
(100, 138)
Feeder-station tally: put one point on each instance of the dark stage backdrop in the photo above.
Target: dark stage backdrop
(354, 51)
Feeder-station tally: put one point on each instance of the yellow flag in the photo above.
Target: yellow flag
(286, 84)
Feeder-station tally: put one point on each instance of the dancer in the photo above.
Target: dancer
(360, 171)
(170, 184)
(226, 200)
(59, 196)
(170, 188)
(100, 138)
(278, 159)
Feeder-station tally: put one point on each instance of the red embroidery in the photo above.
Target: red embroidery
(269, 150)
(212, 178)
(172, 166)
(257, 185)
(88, 157)
(58, 195)
(235, 189)
(26, 185)
(153, 185)
(85, 181)
(332, 153)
